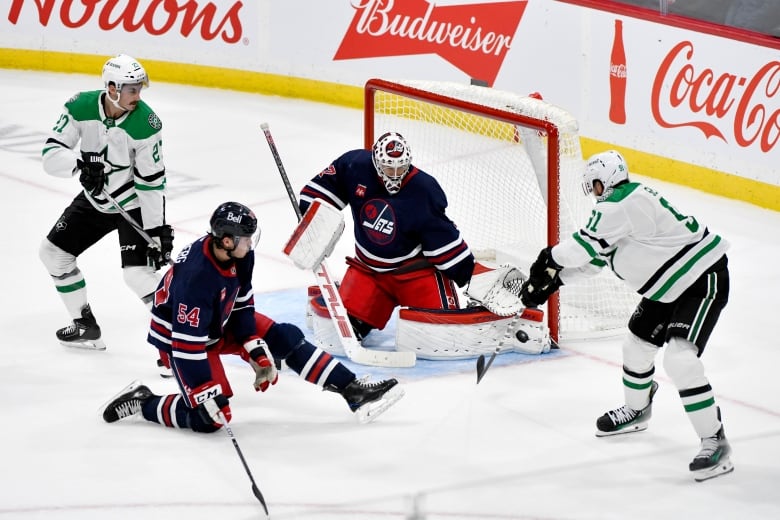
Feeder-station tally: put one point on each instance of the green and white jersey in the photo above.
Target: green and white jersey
(658, 251)
(131, 147)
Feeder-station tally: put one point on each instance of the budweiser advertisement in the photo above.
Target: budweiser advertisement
(473, 37)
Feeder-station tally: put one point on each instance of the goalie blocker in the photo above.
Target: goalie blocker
(315, 236)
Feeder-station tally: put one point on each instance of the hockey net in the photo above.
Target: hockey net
(496, 154)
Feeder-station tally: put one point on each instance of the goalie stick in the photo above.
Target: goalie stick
(352, 347)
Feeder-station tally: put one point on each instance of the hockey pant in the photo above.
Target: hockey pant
(285, 341)
(371, 297)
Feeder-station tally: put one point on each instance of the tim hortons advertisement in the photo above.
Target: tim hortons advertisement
(473, 37)
(144, 24)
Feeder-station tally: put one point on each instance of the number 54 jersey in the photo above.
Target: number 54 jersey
(654, 248)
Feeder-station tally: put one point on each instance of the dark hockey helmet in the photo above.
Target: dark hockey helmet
(234, 220)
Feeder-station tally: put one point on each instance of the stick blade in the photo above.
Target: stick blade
(260, 499)
(480, 367)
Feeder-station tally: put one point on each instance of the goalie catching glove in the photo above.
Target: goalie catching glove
(498, 290)
(315, 236)
(544, 279)
(262, 362)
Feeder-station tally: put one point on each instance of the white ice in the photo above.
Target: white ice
(520, 445)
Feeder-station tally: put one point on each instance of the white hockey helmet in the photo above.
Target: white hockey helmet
(607, 167)
(124, 69)
(392, 159)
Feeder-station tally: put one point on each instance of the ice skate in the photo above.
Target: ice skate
(713, 458)
(626, 419)
(127, 402)
(84, 332)
(370, 400)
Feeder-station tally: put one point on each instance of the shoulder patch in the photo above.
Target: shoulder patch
(73, 98)
(154, 121)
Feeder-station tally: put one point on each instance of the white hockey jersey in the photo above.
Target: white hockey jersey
(658, 251)
(130, 145)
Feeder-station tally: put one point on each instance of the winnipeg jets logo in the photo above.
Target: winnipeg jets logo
(395, 149)
(377, 219)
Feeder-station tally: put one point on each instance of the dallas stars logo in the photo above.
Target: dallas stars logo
(111, 166)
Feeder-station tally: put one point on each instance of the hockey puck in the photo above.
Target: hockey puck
(521, 336)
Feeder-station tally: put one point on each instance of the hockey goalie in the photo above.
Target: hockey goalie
(430, 322)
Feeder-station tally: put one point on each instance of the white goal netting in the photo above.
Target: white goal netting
(493, 166)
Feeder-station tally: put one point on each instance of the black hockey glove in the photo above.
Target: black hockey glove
(543, 280)
(161, 254)
(93, 175)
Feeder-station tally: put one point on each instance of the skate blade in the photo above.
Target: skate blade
(724, 467)
(627, 429)
(369, 412)
(129, 388)
(85, 344)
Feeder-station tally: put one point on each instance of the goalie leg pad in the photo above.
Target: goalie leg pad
(325, 334)
(468, 333)
(315, 236)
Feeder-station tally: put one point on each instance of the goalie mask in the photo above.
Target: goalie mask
(392, 160)
(607, 167)
(234, 220)
(123, 70)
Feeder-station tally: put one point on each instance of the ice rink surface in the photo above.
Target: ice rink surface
(520, 445)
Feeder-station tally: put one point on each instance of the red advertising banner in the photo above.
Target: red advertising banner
(473, 37)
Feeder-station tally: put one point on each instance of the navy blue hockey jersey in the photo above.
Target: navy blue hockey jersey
(393, 230)
(198, 301)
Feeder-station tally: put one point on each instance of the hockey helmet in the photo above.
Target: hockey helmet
(232, 219)
(123, 69)
(607, 167)
(392, 159)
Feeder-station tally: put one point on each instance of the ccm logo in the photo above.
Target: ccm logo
(208, 393)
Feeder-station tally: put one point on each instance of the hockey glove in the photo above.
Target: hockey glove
(161, 254)
(93, 176)
(543, 281)
(262, 362)
(211, 405)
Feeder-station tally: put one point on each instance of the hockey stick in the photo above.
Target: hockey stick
(255, 489)
(481, 366)
(352, 347)
(130, 220)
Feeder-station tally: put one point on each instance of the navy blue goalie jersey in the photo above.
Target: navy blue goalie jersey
(393, 230)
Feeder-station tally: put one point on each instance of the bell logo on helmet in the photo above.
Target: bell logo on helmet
(233, 218)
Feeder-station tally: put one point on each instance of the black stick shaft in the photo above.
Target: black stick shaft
(282, 172)
(255, 489)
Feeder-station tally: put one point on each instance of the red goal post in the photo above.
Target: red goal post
(510, 166)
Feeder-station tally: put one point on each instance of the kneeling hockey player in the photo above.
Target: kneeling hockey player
(203, 308)
(408, 253)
